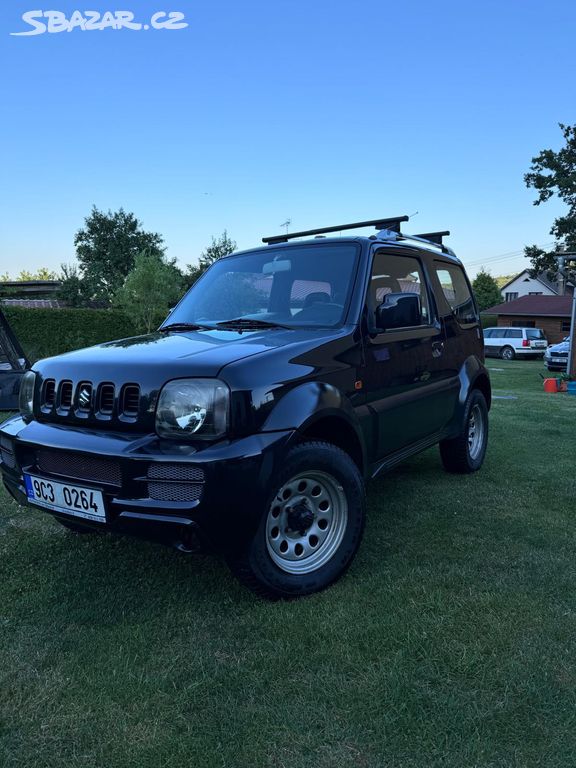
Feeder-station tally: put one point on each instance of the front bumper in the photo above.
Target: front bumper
(556, 363)
(144, 480)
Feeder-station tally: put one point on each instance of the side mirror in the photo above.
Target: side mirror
(399, 310)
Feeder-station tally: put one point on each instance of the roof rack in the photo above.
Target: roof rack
(389, 229)
(392, 225)
(434, 237)
(431, 238)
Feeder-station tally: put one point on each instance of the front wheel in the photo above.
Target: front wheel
(311, 528)
(465, 453)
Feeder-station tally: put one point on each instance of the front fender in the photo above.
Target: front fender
(305, 407)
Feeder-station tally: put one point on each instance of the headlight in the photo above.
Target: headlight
(26, 396)
(193, 408)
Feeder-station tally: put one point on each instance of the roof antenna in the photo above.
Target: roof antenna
(286, 224)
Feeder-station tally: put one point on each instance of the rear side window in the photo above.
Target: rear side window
(499, 333)
(534, 333)
(512, 333)
(457, 293)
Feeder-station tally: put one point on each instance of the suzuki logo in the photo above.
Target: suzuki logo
(85, 397)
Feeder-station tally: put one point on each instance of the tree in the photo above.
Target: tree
(554, 173)
(151, 287)
(502, 280)
(219, 247)
(41, 274)
(486, 290)
(107, 247)
(74, 291)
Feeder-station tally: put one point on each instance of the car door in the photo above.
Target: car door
(488, 343)
(407, 385)
(496, 341)
(13, 365)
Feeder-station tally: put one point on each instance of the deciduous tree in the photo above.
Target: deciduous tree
(554, 174)
(153, 285)
(107, 247)
(221, 246)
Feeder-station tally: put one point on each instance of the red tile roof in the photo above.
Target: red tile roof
(538, 306)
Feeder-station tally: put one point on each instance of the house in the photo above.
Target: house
(551, 313)
(524, 285)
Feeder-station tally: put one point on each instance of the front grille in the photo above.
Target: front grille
(106, 398)
(65, 395)
(86, 399)
(174, 491)
(7, 453)
(559, 354)
(49, 394)
(175, 482)
(130, 401)
(86, 468)
(187, 473)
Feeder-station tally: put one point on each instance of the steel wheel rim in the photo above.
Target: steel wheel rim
(306, 522)
(476, 429)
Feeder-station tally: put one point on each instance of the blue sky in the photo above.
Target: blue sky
(322, 112)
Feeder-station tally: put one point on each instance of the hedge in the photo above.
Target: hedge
(46, 332)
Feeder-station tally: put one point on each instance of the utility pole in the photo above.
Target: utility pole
(563, 259)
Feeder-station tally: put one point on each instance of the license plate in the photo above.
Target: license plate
(62, 497)
(539, 344)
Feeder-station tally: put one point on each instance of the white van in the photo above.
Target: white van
(509, 343)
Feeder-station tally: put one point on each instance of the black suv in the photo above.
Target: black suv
(250, 421)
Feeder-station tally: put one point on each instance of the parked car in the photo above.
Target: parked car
(556, 356)
(249, 423)
(509, 343)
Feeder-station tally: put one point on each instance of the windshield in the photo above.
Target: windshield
(294, 287)
(534, 333)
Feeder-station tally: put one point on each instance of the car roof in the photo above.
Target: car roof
(367, 242)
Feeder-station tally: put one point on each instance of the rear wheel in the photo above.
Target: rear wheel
(465, 453)
(507, 353)
(311, 528)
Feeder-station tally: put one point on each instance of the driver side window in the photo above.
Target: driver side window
(397, 274)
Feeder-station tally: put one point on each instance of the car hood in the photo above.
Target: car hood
(563, 346)
(171, 355)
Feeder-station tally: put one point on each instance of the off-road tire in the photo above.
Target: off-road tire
(456, 453)
(255, 566)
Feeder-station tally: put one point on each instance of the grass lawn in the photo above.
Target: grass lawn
(451, 642)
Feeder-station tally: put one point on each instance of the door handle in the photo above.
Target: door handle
(437, 348)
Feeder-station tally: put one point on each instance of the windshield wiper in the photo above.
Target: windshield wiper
(247, 324)
(186, 327)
